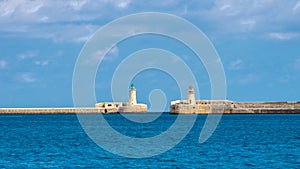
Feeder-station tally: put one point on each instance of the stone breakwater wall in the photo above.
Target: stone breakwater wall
(178, 107)
(230, 107)
(56, 110)
(265, 107)
(142, 108)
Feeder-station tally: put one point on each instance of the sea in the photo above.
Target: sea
(239, 141)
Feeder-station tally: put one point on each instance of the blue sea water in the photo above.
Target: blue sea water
(240, 141)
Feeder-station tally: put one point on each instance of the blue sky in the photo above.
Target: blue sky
(258, 43)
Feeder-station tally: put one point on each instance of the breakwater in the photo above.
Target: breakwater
(264, 107)
(193, 106)
(52, 110)
(230, 107)
(181, 107)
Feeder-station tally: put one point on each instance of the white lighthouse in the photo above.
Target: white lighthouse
(191, 96)
(123, 107)
(132, 96)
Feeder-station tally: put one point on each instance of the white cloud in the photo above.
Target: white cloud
(69, 20)
(81, 39)
(3, 64)
(112, 54)
(77, 5)
(67, 32)
(27, 78)
(297, 6)
(8, 7)
(225, 7)
(122, 4)
(97, 56)
(34, 9)
(236, 17)
(284, 35)
(236, 65)
(16, 7)
(44, 18)
(27, 55)
(249, 24)
(41, 63)
(31, 12)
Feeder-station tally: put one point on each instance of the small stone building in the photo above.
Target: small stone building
(123, 107)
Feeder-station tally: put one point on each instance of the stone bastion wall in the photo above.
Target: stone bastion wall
(230, 107)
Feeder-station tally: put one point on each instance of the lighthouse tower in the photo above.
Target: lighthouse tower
(132, 96)
(191, 96)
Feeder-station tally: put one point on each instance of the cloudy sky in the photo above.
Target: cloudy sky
(258, 43)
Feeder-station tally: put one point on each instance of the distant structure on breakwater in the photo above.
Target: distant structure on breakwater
(106, 107)
(189, 106)
(130, 107)
(193, 106)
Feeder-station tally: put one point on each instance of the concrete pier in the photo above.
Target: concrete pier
(53, 110)
(230, 107)
(192, 106)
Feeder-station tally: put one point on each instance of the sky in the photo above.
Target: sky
(258, 43)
